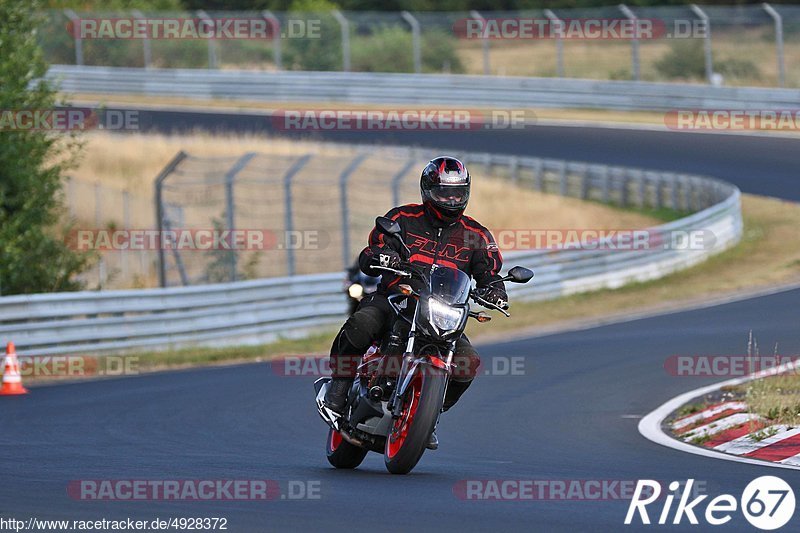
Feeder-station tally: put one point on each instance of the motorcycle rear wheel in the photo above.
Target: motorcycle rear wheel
(342, 454)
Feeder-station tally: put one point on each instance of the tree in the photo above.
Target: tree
(33, 258)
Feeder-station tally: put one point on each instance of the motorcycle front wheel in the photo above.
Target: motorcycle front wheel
(410, 432)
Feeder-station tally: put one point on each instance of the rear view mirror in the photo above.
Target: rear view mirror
(520, 274)
(387, 226)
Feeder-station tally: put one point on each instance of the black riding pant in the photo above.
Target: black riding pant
(370, 323)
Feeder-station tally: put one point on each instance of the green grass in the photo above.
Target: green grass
(662, 214)
(318, 343)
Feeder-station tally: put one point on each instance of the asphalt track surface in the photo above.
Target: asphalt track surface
(572, 415)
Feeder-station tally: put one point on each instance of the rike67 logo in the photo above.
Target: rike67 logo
(767, 503)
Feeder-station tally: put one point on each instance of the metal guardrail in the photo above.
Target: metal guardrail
(248, 312)
(675, 42)
(382, 88)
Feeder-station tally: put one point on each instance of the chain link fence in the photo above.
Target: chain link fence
(92, 204)
(753, 45)
(301, 214)
(309, 213)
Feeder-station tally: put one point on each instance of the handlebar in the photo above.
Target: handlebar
(473, 295)
(485, 303)
(401, 273)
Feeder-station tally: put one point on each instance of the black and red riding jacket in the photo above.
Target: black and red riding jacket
(465, 245)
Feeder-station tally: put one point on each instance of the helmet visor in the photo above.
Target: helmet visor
(450, 195)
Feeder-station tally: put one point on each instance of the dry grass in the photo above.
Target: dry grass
(132, 161)
(776, 398)
(115, 163)
(612, 59)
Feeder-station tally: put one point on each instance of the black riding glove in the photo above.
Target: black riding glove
(494, 295)
(386, 258)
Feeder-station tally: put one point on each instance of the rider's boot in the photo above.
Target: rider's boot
(433, 441)
(336, 395)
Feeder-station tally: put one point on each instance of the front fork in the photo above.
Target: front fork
(410, 366)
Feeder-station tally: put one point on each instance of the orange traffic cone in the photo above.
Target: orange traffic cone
(12, 381)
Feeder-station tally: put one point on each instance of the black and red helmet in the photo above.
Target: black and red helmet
(444, 185)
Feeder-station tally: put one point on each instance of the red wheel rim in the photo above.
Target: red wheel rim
(335, 440)
(397, 437)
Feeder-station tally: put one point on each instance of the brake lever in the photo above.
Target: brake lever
(401, 273)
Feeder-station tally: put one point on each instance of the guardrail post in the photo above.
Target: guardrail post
(415, 40)
(624, 193)
(658, 201)
(159, 201)
(125, 255)
(344, 177)
(276, 37)
(694, 196)
(778, 19)
(230, 206)
(397, 178)
(76, 31)
(212, 43)
(585, 183)
(559, 26)
(634, 41)
(562, 179)
(538, 170)
(148, 55)
(673, 191)
(641, 191)
(484, 37)
(685, 193)
(98, 221)
(513, 169)
(706, 41)
(288, 217)
(344, 24)
(606, 185)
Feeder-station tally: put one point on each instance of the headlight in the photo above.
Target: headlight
(355, 291)
(443, 316)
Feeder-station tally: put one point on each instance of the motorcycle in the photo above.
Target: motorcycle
(357, 286)
(397, 396)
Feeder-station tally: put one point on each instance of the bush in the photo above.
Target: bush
(390, 49)
(738, 68)
(685, 59)
(32, 258)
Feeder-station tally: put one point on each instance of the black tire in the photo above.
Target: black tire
(402, 453)
(341, 453)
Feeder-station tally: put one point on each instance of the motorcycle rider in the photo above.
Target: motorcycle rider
(437, 232)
